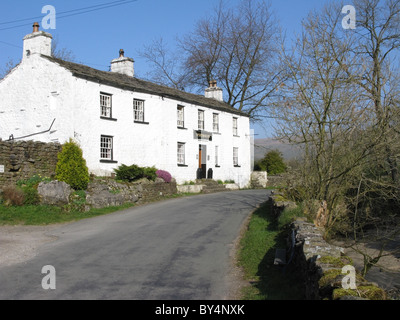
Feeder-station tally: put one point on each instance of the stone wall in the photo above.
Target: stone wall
(107, 192)
(259, 179)
(311, 251)
(319, 262)
(20, 160)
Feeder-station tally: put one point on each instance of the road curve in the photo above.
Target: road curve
(176, 249)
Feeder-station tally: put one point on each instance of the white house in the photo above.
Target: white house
(119, 119)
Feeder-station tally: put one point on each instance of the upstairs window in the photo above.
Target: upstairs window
(216, 122)
(181, 117)
(235, 126)
(201, 120)
(105, 105)
(138, 110)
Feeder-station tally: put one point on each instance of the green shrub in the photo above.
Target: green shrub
(150, 173)
(129, 173)
(272, 162)
(134, 172)
(31, 196)
(71, 166)
(33, 181)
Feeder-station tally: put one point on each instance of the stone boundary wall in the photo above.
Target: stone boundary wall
(320, 263)
(20, 160)
(311, 251)
(108, 192)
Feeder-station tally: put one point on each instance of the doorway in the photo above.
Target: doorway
(202, 171)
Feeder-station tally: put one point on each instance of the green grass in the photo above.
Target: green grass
(46, 215)
(256, 257)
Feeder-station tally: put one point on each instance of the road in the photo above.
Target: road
(176, 249)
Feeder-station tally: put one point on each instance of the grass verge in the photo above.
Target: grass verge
(256, 257)
(46, 215)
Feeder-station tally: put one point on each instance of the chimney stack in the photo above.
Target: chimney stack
(37, 42)
(214, 92)
(123, 65)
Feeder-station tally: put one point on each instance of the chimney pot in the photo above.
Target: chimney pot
(213, 84)
(36, 27)
(121, 53)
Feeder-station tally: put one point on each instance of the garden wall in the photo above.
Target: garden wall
(20, 160)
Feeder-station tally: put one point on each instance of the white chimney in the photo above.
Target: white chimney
(123, 65)
(214, 92)
(37, 42)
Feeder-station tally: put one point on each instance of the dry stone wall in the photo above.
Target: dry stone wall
(20, 160)
(320, 263)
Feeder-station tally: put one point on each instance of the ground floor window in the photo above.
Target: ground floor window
(106, 148)
(236, 157)
(217, 156)
(181, 153)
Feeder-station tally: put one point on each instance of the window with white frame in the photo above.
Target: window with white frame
(201, 120)
(181, 153)
(181, 117)
(236, 157)
(235, 126)
(106, 148)
(105, 105)
(216, 122)
(138, 110)
(217, 156)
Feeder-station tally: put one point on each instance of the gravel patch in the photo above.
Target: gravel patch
(21, 243)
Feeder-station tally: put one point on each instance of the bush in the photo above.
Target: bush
(150, 173)
(133, 172)
(273, 163)
(31, 196)
(129, 173)
(71, 166)
(13, 196)
(166, 176)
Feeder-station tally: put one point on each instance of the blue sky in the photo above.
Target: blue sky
(96, 37)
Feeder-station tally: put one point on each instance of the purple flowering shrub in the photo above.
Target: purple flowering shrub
(166, 176)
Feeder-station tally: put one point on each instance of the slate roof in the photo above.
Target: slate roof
(125, 82)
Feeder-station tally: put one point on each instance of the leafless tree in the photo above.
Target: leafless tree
(10, 64)
(61, 53)
(322, 109)
(167, 69)
(237, 47)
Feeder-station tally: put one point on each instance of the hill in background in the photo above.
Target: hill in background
(262, 146)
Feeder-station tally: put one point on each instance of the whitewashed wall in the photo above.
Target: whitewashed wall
(38, 91)
(34, 94)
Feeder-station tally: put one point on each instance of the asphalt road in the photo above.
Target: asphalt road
(171, 250)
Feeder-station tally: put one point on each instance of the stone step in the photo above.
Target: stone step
(212, 189)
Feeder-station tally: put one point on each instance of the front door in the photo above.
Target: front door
(203, 161)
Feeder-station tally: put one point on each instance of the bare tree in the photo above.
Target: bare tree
(323, 111)
(341, 104)
(376, 41)
(10, 64)
(237, 47)
(166, 66)
(61, 53)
